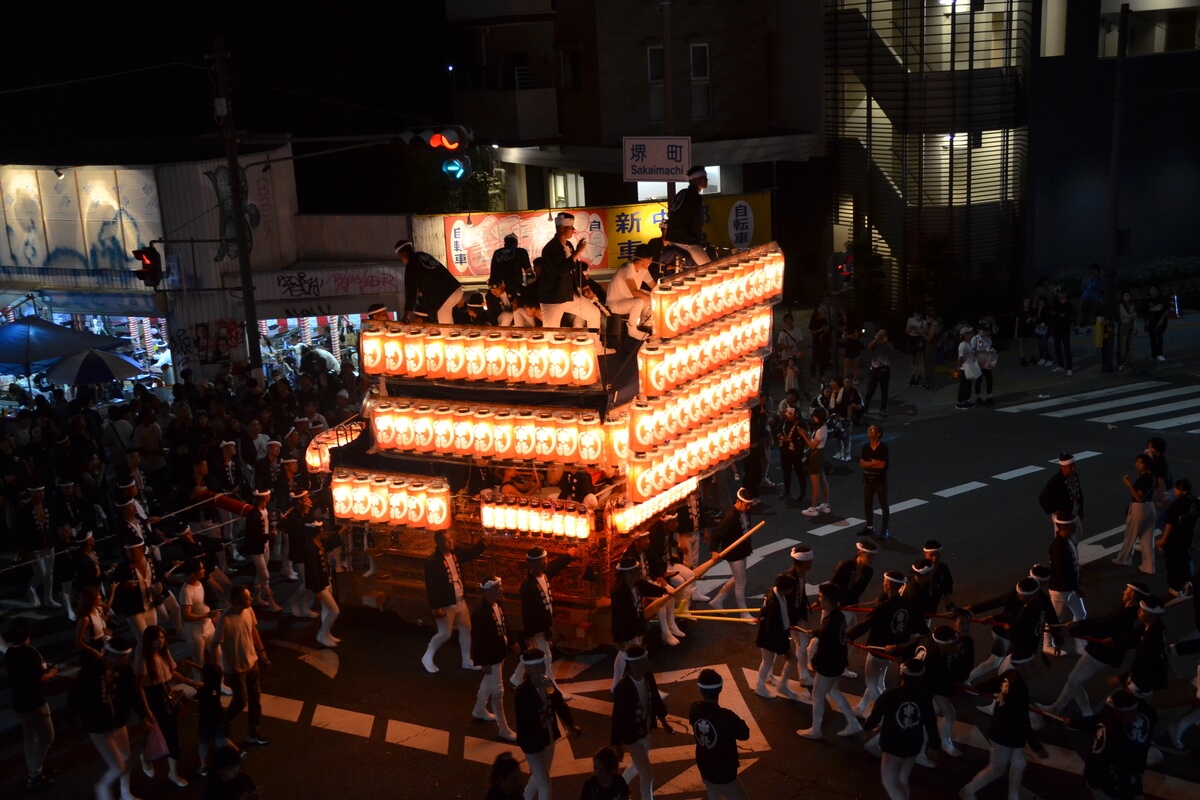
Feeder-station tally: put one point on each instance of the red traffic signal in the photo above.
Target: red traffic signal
(151, 272)
(451, 137)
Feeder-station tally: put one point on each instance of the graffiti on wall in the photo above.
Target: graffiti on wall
(222, 187)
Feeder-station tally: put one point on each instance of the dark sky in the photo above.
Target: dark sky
(306, 68)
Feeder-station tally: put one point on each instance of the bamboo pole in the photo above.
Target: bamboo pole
(702, 570)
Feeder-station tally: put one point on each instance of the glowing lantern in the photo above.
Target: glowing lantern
(641, 425)
(402, 419)
(495, 364)
(523, 515)
(464, 431)
(456, 356)
(316, 455)
(502, 434)
(398, 502)
(379, 500)
(510, 514)
(583, 523)
(567, 443)
(616, 440)
(651, 369)
(535, 517)
(545, 435)
(423, 429)
(416, 504)
(393, 352)
(437, 506)
(559, 355)
(537, 366)
(371, 343)
(360, 499)
(583, 361)
(516, 357)
(484, 428)
(524, 434)
(546, 512)
(558, 524)
(414, 353)
(568, 523)
(474, 349)
(443, 429)
(487, 510)
(343, 502)
(383, 420)
(641, 478)
(591, 439)
(435, 355)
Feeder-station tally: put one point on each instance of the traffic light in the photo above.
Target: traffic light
(450, 137)
(457, 169)
(151, 272)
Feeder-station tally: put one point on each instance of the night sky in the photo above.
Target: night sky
(301, 68)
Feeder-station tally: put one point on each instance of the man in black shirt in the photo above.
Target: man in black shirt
(628, 618)
(1063, 493)
(906, 722)
(717, 731)
(491, 640)
(637, 710)
(853, 575)
(1179, 525)
(537, 606)
(1118, 746)
(560, 282)
(427, 278)
(828, 660)
(1065, 575)
(511, 267)
(27, 671)
(874, 463)
(687, 216)
(731, 527)
(1061, 315)
(893, 621)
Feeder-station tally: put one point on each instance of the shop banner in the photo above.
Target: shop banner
(612, 232)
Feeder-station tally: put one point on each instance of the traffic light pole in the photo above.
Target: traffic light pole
(229, 136)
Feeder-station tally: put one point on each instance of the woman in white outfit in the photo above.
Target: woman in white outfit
(197, 616)
(1139, 519)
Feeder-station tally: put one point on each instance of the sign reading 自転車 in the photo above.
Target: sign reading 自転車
(656, 158)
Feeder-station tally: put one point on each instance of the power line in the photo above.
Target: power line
(334, 100)
(101, 77)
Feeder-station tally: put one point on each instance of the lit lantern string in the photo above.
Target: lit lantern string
(392, 499)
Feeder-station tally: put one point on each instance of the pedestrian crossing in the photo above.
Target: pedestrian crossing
(1153, 405)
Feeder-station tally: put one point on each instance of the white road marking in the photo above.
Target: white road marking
(690, 781)
(1182, 405)
(834, 527)
(1017, 473)
(1173, 422)
(960, 489)
(343, 721)
(483, 751)
(1090, 551)
(762, 552)
(1080, 456)
(903, 505)
(1079, 411)
(432, 740)
(1075, 398)
(281, 707)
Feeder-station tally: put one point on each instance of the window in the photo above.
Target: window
(653, 190)
(654, 76)
(701, 87)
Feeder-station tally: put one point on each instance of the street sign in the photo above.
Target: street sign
(657, 158)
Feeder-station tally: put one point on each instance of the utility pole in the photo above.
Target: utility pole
(224, 110)
(1109, 347)
(664, 6)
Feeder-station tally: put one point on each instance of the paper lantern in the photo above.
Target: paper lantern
(414, 353)
(583, 523)
(435, 355)
(546, 512)
(398, 502)
(443, 430)
(523, 515)
(487, 509)
(524, 434)
(641, 477)
(537, 359)
(566, 447)
(456, 356)
(484, 428)
(584, 369)
(343, 502)
(383, 422)
(416, 504)
(495, 363)
(516, 357)
(568, 518)
(535, 517)
(437, 506)
(402, 420)
(474, 349)
(423, 429)
(360, 499)
(559, 373)
(641, 427)
(558, 524)
(502, 435)
(464, 431)
(591, 439)
(616, 440)
(545, 435)
(316, 455)
(378, 500)
(393, 352)
(651, 370)
(510, 514)
(371, 345)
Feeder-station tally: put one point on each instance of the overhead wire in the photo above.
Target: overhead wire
(101, 77)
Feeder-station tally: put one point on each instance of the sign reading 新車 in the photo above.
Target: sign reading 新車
(656, 158)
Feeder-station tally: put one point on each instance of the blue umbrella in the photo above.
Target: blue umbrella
(93, 366)
(31, 344)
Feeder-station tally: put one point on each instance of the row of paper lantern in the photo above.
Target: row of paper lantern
(655, 421)
(711, 292)
(557, 519)
(316, 456)
(668, 365)
(392, 499)
(652, 473)
(553, 359)
(626, 516)
(480, 431)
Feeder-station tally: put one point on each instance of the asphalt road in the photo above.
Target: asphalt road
(367, 721)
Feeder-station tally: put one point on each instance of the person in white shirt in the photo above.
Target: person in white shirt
(814, 465)
(118, 436)
(629, 291)
(789, 345)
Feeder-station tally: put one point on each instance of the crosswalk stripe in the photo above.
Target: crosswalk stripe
(904, 505)
(1172, 422)
(960, 489)
(1075, 398)
(1128, 401)
(1195, 431)
(1151, 411)
(1080, 456)
(834, 527)
(1017, 473)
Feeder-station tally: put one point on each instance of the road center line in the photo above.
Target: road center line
(960, 489)
(1017, 473)
(834, 527)
(1079, 456)
(904, 505)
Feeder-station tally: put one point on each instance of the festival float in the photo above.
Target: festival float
(635, 426)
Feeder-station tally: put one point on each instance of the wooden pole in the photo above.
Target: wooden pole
(701, 571)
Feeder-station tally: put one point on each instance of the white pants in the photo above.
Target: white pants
(523, 319)
(697, 252)
(114, 749)
(875, 679)
(800, 642)
(197, 635)
(491, 688)
(689, 547)
(539, 773)
(894, 772)
(638, 310)
(726, 791)
(736, 582)
(1003, 758)
(262, 575)
(541, 643)
(456, 616)
(766, 667)
(1085, 668)
(945, 709)
(445, 314)
(1139, 530)
(330, 611)
(826, 689)
(639, 754)
(1061, 602)
(582, 308)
